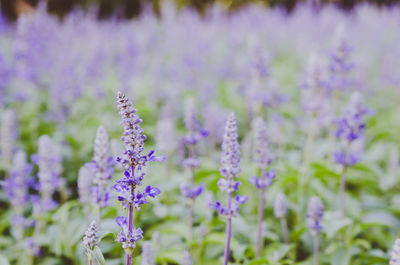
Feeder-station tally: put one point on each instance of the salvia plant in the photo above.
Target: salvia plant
(8, 136)
(56, 89)
(194, 134)
(133, 162)
(262, 158)
(230, 160)
(91, 244)
(102, 167)
(16, 187)
(350, 129)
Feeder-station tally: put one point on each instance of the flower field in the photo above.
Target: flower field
(252, 137)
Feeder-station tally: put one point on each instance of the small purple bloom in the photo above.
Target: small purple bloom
(315, 212)
(264, 181)
(126, 237)
(191, 192)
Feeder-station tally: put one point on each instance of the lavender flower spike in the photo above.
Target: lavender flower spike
(102, 166)
(262, 158)
(315, 212)
(230, 159)
(8, 135)
(148, 254)
(194, 134)
(48, 160)
(133, 161)
(261, 153)
(90, 240)
(16, 187)
(395, 257)
(350, 129)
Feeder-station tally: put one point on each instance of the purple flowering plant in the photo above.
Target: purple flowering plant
(133, 163)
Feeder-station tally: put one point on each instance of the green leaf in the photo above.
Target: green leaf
(98, 255)
(261, 261)
(341, 256)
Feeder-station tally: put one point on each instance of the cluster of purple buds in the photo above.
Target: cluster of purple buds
(102, 167)
(230, 159)
(16, 187)
(351, 128)
(395, 257)
(133, 161)
(192, 124)
(136, 200)
(128, 237)
(191, 192)
(315, 212)
(91, 238)
(48, 159)
(8, 134)
(261, 156)
(341, 63)
(261, 145)
(264, 181)
(315, 93)
(235, 207)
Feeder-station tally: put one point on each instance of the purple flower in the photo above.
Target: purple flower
(228, 186)
(264, 181)
(102, 167)
(341, 63)
(16, 187)
(192, 124)
(17, 184)
(49, 161)
(261, 146)
(134, 162)
(235, 207)
(315, 212)
(315, 95)
(191, 192)
(91, 238)
(126, 237)
(351, 127)
(230, 159)
(8, 134)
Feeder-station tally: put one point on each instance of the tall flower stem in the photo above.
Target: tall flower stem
(309, 142)
(342, 191)
(316, 248)
(228, 230)
(285, 229)
(191, 201)
(130, 219)
(260, 220)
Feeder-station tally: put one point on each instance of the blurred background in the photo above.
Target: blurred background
(132, 8)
